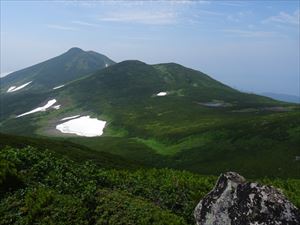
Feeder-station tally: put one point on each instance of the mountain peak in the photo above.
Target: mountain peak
(70, 65)
(75, 50)
(132, 62)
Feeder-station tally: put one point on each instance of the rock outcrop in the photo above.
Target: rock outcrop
(233, 201)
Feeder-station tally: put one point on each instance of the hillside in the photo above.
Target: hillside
(55, 72)
(38, 187)
(67, 149)
(167, 115)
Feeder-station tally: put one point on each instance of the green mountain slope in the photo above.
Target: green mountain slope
(65, 148)
(39, 187)
(136, 80)
(57, 71)
(126, 94)
(200, 124)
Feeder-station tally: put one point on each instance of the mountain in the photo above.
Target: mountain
(132, 88)
(163, 115)
(55, 72)
(139, 82)
(283, 97)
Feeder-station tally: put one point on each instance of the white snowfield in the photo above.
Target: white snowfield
(15, 88)
(106, 65)
(56, 107)
(70, 117)
(83, 126)
(161, 94)
(57, 87)
(39, 109)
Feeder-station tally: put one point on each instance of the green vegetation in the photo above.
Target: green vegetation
(245, 134)
(253, 145)
(65, 148)
(55, 190)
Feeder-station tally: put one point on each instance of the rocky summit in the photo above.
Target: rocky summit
(238, 202)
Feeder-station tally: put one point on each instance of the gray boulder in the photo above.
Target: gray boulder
(233, 201)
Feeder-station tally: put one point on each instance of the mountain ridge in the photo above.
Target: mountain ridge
(283, 97)
(73, 64)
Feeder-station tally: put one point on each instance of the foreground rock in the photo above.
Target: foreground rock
(233, 201)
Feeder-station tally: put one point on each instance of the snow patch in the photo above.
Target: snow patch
(56, 107)
(57, 87)
(70, 117)
(106, 65)
(39, 109)
(15, 88)
(11, 89)
(161, 94)
(83, 126)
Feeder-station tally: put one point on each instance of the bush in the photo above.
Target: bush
(58, 191)
(122, 208)
(9, 177)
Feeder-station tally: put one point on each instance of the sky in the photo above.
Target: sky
(250, 45)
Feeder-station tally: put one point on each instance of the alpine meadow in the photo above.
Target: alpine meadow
(109, 118)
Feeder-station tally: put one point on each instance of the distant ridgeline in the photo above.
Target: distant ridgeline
(283, 97)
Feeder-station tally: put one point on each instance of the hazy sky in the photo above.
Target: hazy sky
(250, 45)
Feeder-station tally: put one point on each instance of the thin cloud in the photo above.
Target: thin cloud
(86, 4)
(251, 33)
(284, 18)
(189, 2)
(59, 27)
(209, 13)
(239, 16)
(154, 18)
(83, 23)
(137, 2)
(231, 3)
(233, 18)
